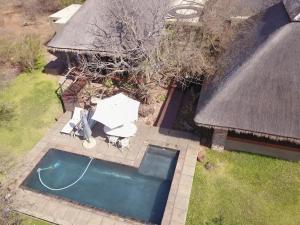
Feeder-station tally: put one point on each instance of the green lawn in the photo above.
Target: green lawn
(245, 189)
(32, 221)
(35, 104)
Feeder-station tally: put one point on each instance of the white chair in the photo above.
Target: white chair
(73, 122)
(112, 140)
(123, 143)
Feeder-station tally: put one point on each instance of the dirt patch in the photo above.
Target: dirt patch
(14, 22)
(14, 25)
(7, 75)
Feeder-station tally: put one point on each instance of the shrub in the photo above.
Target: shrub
(6, 49)
(33, 8)
(6, 113)
(64, 3)
(28, 54)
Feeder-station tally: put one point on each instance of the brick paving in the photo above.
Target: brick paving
(63, 212)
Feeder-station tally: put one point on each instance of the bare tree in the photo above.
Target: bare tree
(127, 33)
(136, 42)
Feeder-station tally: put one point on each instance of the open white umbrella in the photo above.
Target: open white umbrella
(116, 111)
(126, 130)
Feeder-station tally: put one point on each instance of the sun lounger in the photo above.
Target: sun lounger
(73, 122)
(123, 143)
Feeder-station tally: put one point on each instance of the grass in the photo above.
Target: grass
(27, 220)
(245, 189)
(35, 107)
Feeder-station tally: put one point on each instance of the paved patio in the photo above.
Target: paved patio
(65, 213)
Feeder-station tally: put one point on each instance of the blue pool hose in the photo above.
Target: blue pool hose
(63, 188)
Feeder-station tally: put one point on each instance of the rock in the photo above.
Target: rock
(7, 197)
(201, 156)
(209, 166)
(6, 212)
(146, 110)
(149, 99)
(26, 23)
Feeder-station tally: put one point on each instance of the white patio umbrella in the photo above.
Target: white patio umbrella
(116, 111)
(126, 130)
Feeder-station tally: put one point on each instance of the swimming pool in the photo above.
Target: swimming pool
(138, 193)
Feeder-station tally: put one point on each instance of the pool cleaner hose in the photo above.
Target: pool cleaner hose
(62, 188)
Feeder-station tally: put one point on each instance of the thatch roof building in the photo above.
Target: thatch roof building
(261, 97)
(98, 25)
(80, 34)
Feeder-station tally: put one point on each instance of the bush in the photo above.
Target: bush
(64, 3)
(28, 53)
(33, 8)
(6, 113)
(6, 50)
(25, 53)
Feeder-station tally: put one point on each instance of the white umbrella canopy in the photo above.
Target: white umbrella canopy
(126, 130)
(116, 111)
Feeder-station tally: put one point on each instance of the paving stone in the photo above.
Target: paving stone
(63, 222)
(181, 202)
(178, 216)
(131, 155)
(186, 179)
(190, 161)
(60, 212)
(50, 208)
(122, 223)
(172, 197)
(83, 217)
(188, 170)
(167, 215)
(95, 220)
(184, 191)
(107, 221)
(71, 214)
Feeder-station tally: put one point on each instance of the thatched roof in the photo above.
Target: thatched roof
(80, 32)
(94, 27)
(293, 9)
(261, 96)
(78, 35)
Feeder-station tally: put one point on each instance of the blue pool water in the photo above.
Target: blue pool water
(140, 193)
